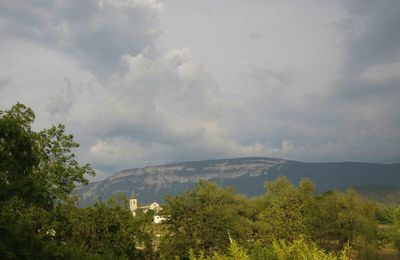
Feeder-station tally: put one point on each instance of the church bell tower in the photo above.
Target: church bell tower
(133, 205)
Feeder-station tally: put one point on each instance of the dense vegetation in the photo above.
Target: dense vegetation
(40, 219)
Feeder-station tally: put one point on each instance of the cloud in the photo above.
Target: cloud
(62, 102)
(97, 32)
(170, 91)
(382, 72)
(367, 89)
(272, 76)
(138, 86)
(372, 34)
(3, 82)
(164, 108)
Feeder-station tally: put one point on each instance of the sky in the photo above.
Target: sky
(147, 82)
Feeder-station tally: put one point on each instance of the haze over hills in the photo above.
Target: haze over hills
(246, 175)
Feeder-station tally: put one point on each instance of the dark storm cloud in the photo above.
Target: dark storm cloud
(98, 32)
(371, 70)
(362, 90)
(374, 34)
(363, 101)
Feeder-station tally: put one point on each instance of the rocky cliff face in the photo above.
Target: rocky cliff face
(246, 175)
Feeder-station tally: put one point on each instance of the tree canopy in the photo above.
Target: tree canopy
(36, 166)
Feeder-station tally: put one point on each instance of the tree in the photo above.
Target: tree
(18, 156)
(36, 166)
(57, 164)
(301, 249)
(287, 210)
(205, 218)
(342, 218)
(391, 217)
(106, 230)
(37, 172)
(235, 252)
(331, 220)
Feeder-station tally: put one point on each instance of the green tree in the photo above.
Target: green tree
(235, 252)
(391, 217)
(37, 172)
(205, 218)
(342, 218)
(36, 166)
(57, 164)
(106, 230)
(287, 211)
(301, 249)
(25, 231)
(39, 218)
(19, 156)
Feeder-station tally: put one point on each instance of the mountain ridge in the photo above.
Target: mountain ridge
(247, 175)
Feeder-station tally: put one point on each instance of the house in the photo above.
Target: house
(133, 206)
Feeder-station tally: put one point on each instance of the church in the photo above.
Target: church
(134, 207)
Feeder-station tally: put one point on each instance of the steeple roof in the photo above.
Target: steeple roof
(133, 195)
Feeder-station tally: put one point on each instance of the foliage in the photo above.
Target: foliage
(235, 252)
(29, 189)
(19, 156)
(392, 218)
(287, 211)
(102, 229)
(38, 167)
(299, 249)
(57, 164)
(25, 231)
(38, 218)
(204, 219)
(342, 218)
(201, 218)
(260, 251)
(331, 220)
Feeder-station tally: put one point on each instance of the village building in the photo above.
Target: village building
(134, 207)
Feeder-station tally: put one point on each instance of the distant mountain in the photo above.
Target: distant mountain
(246, 175)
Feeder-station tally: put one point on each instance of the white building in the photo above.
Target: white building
(133, 205)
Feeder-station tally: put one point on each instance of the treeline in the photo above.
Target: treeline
(40, 217)
(287, 222)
